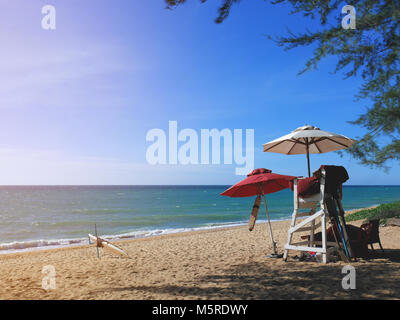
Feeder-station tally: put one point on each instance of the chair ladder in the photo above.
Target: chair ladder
(308, 224)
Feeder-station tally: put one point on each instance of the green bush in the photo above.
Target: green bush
(383, 212)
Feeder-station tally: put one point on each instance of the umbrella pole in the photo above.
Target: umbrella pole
(97, 244)
(275, 254)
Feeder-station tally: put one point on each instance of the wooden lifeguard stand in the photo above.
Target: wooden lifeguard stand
(309, 223)
(314, 220)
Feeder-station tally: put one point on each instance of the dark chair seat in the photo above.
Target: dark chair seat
(371, 229)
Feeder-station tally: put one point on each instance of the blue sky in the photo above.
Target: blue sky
(76, 103)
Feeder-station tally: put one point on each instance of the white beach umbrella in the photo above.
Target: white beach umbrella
(306, 140)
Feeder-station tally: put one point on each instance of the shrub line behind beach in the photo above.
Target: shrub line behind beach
(382, 212)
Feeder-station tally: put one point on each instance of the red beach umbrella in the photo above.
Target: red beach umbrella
(260, 182)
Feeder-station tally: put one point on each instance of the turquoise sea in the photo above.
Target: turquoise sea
(39, 216)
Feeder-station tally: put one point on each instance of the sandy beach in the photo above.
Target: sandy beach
(215, 264)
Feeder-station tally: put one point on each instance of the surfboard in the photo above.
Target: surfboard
(107, 245)
(254, 213)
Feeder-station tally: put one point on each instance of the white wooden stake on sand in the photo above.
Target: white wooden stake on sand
(101, 243)
(97, 243)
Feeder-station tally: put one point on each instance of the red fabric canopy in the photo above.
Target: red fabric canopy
(306, 187)
(257, 181)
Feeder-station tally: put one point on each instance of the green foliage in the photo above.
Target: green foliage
(371, 50)
(383, 212)
(224, 9)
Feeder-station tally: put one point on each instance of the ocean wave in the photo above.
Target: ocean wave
(17, 246)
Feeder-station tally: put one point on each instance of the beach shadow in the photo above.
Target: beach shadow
(392, 255)
(291, 280)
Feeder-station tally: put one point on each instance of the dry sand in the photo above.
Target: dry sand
(216, 264)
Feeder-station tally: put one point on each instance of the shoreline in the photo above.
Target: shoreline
(83, 242)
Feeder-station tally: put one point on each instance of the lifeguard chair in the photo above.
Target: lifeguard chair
(313, 194)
